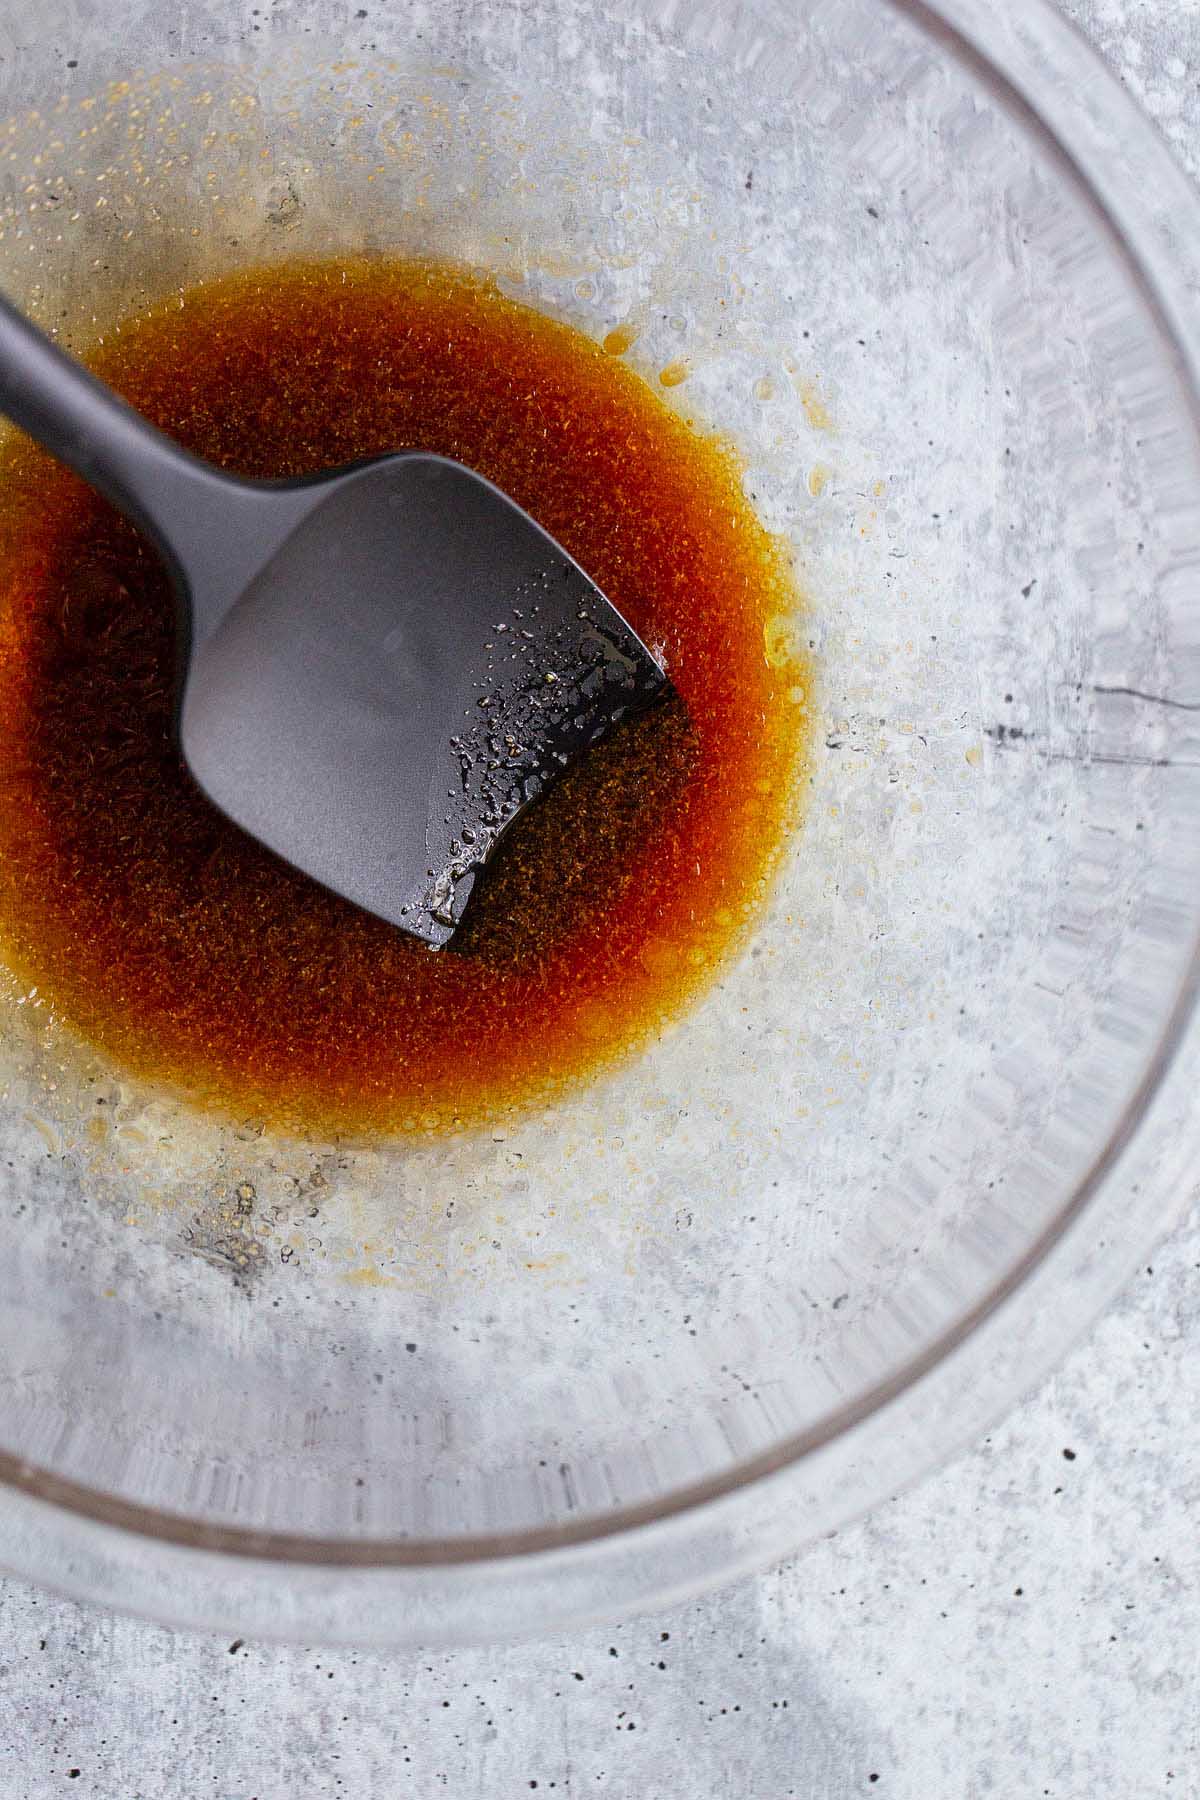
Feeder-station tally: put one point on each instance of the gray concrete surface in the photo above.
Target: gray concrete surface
(1027, 1623)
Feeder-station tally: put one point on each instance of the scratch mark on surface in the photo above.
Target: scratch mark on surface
(1151, 699)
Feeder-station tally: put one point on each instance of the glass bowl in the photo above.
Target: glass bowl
(930, 271)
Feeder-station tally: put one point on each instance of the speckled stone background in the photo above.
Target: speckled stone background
(1026, 1624)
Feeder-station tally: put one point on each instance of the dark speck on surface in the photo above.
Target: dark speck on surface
(1007, 734)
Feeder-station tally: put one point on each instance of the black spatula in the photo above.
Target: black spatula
(381, 665)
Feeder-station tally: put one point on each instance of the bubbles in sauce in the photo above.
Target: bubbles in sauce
(197, 960)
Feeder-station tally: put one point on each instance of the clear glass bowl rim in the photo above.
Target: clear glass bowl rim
(1039, 67)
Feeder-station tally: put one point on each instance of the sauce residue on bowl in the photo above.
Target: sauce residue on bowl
(163, 935)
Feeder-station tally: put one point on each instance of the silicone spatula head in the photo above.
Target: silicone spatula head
(404, 676)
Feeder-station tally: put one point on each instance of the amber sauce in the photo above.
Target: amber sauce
(195, 958)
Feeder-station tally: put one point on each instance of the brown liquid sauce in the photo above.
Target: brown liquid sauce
(194, 957)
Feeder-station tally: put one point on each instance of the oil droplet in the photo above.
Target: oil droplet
(764, 387)
(620, 339)
(818, 479)
(674, 373)
(815, 409)
(780, 646)
(659, 958)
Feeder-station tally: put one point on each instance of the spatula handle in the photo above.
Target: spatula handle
(215, 531)
(74, 416)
